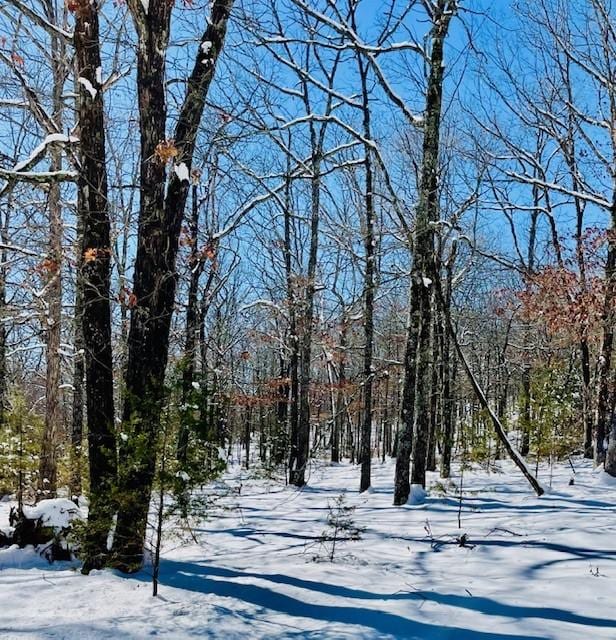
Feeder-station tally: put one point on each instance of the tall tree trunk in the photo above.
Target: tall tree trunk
(340, 418)
(449, 374)
(160, 217)
(605, 374)
(525, 417)
(404, 440)
(282, 412)
(369, 286)
(435, 383)
(192, 325)
(300, 448)
(47, 481)
(569, 148)
(48, 470)
(586, 398)
(4, 382)
(76, 439)
(418, 356)
(293, 337)
(94, 281)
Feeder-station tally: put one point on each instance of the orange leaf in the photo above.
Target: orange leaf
(17, 59)
(89, 255)
(166, 150)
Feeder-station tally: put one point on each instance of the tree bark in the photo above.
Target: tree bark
(418, 355)
(47, 481)
(300, 449)
(605, 374)
(192, 326)
(369, 287)
(76, 436)
(160, 219)
(94, 281)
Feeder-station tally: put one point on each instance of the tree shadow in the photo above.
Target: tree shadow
(220, 581)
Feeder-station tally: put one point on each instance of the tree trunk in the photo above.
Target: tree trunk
(76, 439)
(293, 337)
(47, 480)
(192, 326)
(160, 219)
(48, 468)
(418, 356)
(605, 374)
(341, 409)
(435, 383)
(94, 280)
(369, 287)
(300, 449)
(586, 398)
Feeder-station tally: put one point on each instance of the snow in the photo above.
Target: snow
(53, 138)
(88, 86)
(605, 479)
(181, 171)
(417, 495)
(58, 512)
(527, 568)
(206, 47)
(426, 281)
(146, 6)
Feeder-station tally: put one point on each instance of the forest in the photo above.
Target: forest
(307, 316)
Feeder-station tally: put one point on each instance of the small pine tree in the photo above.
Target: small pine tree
(341, 526)
(19, 447)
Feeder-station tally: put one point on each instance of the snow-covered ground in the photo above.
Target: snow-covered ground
(531, 568)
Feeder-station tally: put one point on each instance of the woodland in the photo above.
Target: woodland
(355, 256)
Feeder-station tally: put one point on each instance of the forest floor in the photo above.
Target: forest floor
(529, 568)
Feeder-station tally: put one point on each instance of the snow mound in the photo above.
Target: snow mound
(17, 558)
(605, 479)
(57, 513)
(418, 494)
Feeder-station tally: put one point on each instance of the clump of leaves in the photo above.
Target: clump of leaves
(166, 150)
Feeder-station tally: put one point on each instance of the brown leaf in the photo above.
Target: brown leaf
(166, 150)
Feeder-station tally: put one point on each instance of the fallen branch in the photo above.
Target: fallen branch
(483, 401)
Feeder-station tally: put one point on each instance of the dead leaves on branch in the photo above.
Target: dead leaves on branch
(95, 253)
(48, 267)
(166, 151)
(195, 176)
(17, 60)
(127, 298)
(207, 252)
(567, 307)
(75, 6)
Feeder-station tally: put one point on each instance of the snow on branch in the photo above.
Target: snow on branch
(41, 149)
(357, 43)
(41, 21)
(21, 171)
(39, 177)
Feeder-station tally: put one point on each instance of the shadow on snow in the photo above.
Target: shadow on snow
(211, 580)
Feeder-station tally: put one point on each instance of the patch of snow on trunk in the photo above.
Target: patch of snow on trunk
(418, 494)
(87, 86)
(181, 171)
